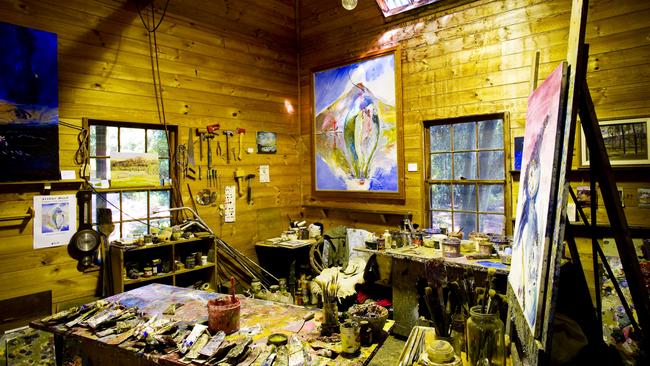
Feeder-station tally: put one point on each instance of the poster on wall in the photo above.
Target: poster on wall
(55, 220)
(357, 129)
(29, 117)
(538, 197)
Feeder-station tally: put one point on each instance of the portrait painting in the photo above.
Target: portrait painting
(29, 118)
(537, 197)
(357, 131)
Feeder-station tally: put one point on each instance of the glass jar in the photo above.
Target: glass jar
(330, 322)
(485, 338)
(457, 334)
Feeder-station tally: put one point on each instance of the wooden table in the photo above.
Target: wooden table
(409, 266)
(153, 299)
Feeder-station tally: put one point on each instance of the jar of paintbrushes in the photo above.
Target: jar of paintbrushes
(485, 338)
(329, 290)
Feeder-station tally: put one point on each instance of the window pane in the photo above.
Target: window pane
(132, 140)
(99, 201)
(116, 234)
(490, 134)
(133, 229)
(100, 168)
(465, 222)
(465, 197)
(439, 219)
(440, 166)
(134, 205)
(490, 198)
(103, 140)
(159, 200)
(491, 163)
(157, 142)
(163, 168)
(441, 196)
(464, 136)
(465, 165)
(440, 138)
(492, 224)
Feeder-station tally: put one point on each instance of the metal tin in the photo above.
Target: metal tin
(451, 247)
(350, 337)
(148, 272)
(190, 261)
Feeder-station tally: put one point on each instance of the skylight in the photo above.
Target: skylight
(392, 7)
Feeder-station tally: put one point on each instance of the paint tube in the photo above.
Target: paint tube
(213, 346)
(198, 346)
(192, 337)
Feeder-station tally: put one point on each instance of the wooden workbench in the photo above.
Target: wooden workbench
(271, 317)
(409, 266)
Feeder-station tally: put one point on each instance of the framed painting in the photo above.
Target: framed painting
(537, 201)
(357, 129)
(29, 114)
(626, 142)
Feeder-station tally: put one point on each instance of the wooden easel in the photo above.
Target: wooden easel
(579, 102)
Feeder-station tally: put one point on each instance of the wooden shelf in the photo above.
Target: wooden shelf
(162, 244)
(382, 213)
(170, 250)
(130, 281)
(196, 268)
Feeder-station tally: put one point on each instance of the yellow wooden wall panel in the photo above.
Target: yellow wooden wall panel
(220, 62)
(475, 58)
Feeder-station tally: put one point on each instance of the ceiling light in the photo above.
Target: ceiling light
(349, 4)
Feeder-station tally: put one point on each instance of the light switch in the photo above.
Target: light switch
(412, 167)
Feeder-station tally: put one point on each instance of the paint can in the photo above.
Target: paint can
(223, 314)
(204, 260)
(451, 247)
(350, 337)
(190, 261)
(148, 272)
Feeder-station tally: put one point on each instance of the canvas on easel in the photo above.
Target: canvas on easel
(538, 196)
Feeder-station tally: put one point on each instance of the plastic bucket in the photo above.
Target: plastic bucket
(223, 314)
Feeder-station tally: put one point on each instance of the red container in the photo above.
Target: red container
(223, 314)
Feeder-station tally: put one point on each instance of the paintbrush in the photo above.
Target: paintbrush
(232, 288)
(488, 285)
(433, 309)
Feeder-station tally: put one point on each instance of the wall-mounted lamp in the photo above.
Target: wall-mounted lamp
(349, 4)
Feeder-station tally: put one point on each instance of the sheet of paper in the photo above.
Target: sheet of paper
(55, 220)
(68, 175)
(265, 176)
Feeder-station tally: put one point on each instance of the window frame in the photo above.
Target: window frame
(506, 181)
(169, 187)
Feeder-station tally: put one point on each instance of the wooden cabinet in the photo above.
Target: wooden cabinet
(161, 262)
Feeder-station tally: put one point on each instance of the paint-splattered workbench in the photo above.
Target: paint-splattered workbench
(266, 316)
(408, 266)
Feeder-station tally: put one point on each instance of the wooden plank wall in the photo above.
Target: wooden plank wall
(221, 62)
(462, 58)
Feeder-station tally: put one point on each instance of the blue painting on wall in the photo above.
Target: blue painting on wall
(519, 151)
(29, 114)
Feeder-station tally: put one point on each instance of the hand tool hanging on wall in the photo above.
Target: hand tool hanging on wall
(209, 137)
(228, 134)
(240, 132)
(249, 190)
(190, 148)
(181, 159)
(239, 175)
(201, 138)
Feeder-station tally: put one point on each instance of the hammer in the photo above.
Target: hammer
(249, 190)
(239, 175)
(228, 134)
(240, 132)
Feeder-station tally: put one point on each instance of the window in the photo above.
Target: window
(466, 174)
(133, 207)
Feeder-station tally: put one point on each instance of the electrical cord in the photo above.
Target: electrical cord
(153, 29)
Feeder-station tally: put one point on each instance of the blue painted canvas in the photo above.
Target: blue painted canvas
(29, 115)
(355, 127)
(519, 151)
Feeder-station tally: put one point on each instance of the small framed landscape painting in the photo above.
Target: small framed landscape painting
(626, 142)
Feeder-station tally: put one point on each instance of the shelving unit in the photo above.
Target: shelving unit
(167, 252)
(383, 214)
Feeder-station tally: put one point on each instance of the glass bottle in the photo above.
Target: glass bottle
(485, 338)
(284, 294)
(458, 333)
